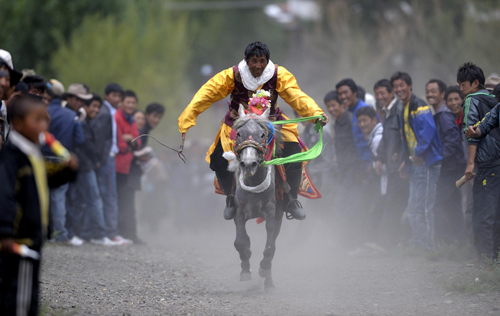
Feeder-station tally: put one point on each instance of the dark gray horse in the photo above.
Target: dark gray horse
(255, 192)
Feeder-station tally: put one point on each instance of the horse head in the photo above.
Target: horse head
(252, 136)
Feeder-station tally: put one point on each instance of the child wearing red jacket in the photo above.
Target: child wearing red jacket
(126, 131)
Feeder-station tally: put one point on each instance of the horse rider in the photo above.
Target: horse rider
(255, 72)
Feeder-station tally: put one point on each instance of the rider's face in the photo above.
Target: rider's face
(257, 65)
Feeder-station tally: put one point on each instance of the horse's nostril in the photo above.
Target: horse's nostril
(242, 164)
(254, 164)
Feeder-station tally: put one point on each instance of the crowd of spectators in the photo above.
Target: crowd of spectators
(397, 162)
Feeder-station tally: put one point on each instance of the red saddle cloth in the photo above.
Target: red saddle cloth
(306, 189)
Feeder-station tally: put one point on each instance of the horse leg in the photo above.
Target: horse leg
(266, 263)
(278, 219)
(242, 245)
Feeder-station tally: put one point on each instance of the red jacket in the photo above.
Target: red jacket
(123, 159)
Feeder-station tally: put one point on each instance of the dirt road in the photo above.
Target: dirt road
(196, 272)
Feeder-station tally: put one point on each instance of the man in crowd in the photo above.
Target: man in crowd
(449, 219)
(126, 131)
(485, 154)
(85, 199)
(9, 77)
(423, 155)
(69, 132)
(390, 154)
(76, 96)
(347, 94)
(104, 127)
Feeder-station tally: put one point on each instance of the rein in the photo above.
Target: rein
(179, 153)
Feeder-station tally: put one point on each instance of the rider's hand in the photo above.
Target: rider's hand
(325, 120)
(473, 132)
(181, 147)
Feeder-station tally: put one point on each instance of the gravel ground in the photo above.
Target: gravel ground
(196, 272)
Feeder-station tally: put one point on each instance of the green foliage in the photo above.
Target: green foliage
(33, 29)
(149, 57)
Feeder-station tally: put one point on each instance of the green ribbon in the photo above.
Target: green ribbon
(310, 154)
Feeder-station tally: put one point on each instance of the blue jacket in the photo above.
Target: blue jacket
(359, 138)
(453, 151)
(64, 126)
(429, 145)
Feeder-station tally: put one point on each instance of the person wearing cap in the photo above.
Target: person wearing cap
(104, 125)
(69, 132)
(9, 77)
(491, 82)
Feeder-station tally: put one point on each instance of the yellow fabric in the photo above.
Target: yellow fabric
(409, 134)
(42, 188)
(222, 84)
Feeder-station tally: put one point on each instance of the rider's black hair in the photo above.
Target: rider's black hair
(452, 89)
(155, 108)
(383, 83)
(257, 49)
(470, 72)
(366, 110)
(440, 83)
(348, 82)
(332, 95)
(401, 75)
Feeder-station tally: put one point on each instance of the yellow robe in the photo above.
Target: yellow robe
(222, 84)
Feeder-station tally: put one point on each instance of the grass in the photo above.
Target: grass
(485, 279)
(45, 310)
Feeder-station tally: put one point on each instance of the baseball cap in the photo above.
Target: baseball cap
(78, 90)
(6, 59)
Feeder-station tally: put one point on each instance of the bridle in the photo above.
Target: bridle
(261, 148)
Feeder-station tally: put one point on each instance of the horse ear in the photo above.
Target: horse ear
(266, 113)
(241, 111)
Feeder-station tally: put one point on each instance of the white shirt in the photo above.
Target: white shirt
(114, 147)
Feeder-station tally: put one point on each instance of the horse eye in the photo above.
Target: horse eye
(238, 134)
(263, 135)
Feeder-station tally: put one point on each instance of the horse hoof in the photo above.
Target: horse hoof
(245, 276)
(270, 289)
(264, 273)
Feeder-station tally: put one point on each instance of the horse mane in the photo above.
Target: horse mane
(263, 123)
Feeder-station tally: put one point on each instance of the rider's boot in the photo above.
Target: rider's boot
(294, 177)
(230, 210)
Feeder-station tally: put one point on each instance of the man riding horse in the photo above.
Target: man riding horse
(253, 73)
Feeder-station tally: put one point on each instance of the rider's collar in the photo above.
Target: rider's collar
(249, 81)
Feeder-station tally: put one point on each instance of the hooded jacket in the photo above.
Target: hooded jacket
(422, 123)
(392, 142)
(359, 137)
(453, 152)
(476, 108)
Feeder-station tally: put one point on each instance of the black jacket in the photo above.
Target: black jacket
(476, 106)
(103, 131)
(392, 141)
(453, 151)
(23, 212)
(345, 147)
(87, 153)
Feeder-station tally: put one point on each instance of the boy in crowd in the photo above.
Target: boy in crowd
(126, 131)
(347, 95)
(449, 218)
(348, 162)
(390, 154)
(154, 114)
(423, 155)
(85, 203)
(25, 201)
(36, 85)
(104, 126)
(485, 153)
